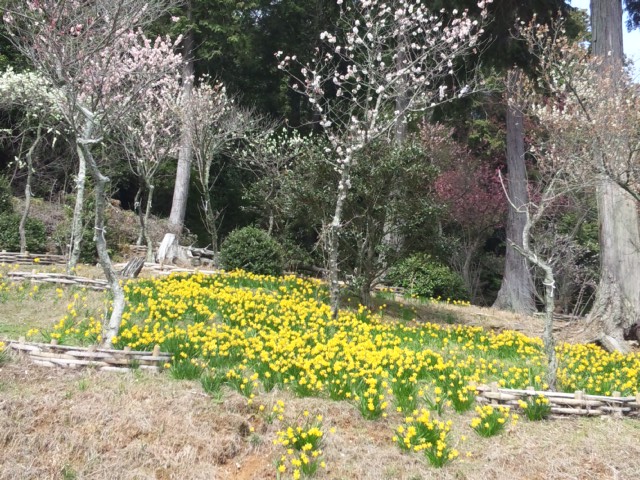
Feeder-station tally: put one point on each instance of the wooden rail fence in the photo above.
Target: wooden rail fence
(65, 356)
(561, 403)
(61, 278)
(32, 258)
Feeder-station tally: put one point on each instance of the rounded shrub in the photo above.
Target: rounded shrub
(35, 230)
(252, 249)
(419, 274)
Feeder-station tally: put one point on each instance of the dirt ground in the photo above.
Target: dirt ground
(62, 424)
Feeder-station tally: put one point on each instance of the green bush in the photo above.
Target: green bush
(5, 195)
(10, 237)
(420, 275)
(253, 250)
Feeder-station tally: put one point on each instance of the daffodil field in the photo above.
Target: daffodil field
(255, 333)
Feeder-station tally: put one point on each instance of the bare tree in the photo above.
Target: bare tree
(95, 54)
(534, 213)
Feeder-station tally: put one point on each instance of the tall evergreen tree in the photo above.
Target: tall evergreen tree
(617, 305)
(505, 57)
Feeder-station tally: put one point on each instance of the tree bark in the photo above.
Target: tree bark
(27, 191)
(517, 289)
(75, 243)
(210, 220)
(394, 239)
(137, 206)
(145, 227)
(470, 278)
(617, 305)
(333, 241)
(185, 155)
(101, 181)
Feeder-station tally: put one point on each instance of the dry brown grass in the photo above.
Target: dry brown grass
(86, 424)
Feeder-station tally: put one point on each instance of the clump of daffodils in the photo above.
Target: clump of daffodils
(435, 400)
(419, 433)
(492, 420)
(370, 397)
(3, 352)
(302, 443)
(276, 412)
(535, 407)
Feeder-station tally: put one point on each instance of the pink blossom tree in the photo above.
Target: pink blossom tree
(96, 54)
(383, 63)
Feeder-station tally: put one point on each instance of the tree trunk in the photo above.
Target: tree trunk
(101, 181)
(145, 226)
(210, 219)
(271, 222)
(617, 305)
(365, 293)
(517, 290)
(470, 278)
(185, 155)
(606, 30)
(393, 239)
(75, 243)
(137, 206)
(27, 191)
(333, 240)
(528, 254)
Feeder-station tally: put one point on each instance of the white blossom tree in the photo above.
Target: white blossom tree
(37, 101)
(384, 62)
(95, 53)
(270, 156)
(215, 123)
(591, 116)
(150, 137)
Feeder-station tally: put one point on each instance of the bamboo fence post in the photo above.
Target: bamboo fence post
(617, 412)
(494, 389)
